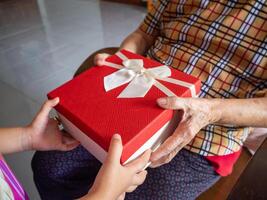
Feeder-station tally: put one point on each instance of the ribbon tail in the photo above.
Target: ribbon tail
(121, 56)
(117, 79)
(182, 83)
(164, 89)
(113, 65)
(138, 87)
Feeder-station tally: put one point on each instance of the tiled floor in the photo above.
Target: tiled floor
(42, 42)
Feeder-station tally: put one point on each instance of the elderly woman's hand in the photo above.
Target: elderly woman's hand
(197, 113)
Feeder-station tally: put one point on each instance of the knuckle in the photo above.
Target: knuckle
(167, 161)
(168, 149)
(171, 101)
(190, 132)
(170, 156)
(177, 149)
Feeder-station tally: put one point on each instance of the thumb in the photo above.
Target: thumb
(115, 149)
(42, 115)
(172, 103)
(47, 107)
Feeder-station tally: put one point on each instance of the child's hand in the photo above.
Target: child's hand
(44, 133)
(113, 179)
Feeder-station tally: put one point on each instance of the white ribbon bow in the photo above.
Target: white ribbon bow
(141, 79)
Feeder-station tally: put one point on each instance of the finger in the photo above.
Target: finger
(140, 178)
(47, 106)
(115, 149)
(139, 163)
(99, 59)
(169, 145)
(166, 159)
(172, 103)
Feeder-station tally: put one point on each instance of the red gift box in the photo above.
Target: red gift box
(92, 114)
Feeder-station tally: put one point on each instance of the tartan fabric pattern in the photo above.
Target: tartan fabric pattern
(224, 44)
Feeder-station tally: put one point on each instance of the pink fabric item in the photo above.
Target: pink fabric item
(17, 190)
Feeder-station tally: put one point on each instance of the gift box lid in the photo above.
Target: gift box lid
(100, 114)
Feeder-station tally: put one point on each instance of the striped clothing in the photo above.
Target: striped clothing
(10, 189)
(224, 44)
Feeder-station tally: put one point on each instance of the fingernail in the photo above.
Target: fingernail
(117, 136)
(162, 101)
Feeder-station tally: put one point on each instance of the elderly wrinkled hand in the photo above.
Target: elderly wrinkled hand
(196, 115)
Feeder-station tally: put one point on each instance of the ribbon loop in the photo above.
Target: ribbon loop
(118, 78)
(160, 72)
(138, 87)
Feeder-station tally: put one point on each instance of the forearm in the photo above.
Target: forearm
(240, 112)
(137, 42)
(14, 140)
